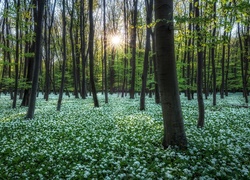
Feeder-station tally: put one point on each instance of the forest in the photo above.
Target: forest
(124, 89)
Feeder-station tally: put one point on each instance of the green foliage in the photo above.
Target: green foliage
(10, 83)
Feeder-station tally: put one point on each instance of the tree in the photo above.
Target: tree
(200, 122)
(149, 7)
(72, 42)
(83, 48)
(189, 52)
(105, 52)
(174, 133)
(17, 53)
(213, 54)
(50, 12)
(64, 58)
(133, 49)
(91, 55)
(38, 50)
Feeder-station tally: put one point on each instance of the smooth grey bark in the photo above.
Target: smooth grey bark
(174, 133)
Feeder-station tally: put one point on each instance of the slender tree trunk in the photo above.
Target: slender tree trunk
(133, 48)
(244, 63)
(190, 50)
(157, 92)
(105, 53)
(213, 56)
(75, 77)
(91, 55)
(228, 63)
(200, 122)
(5, 52)
(205, 70)
(82, 36)
(174, 133)
(48, 50)
(38, 28)
(59, 103)
(112, 71)
(125, 71)
(149, 8)
(222, 87)
(17, 55)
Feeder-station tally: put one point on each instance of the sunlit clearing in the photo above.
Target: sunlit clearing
(115, 40)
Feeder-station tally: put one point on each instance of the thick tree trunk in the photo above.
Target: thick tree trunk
(38, 28)
(174, 133)
(30, 65)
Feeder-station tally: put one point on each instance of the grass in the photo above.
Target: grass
(117, 141)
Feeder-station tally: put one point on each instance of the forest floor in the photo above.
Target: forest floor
(118, 141)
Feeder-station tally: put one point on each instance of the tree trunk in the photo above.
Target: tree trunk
(190, 50)
(228, 63)
(157, 93)
(82, 37)
(174, 133)
(133, 49)
(59, 102)
(91, 55)
(105, 53)
(17, 54)
(149, 8)
(29, 76)
(73, 52)
(200, 122)
(222, 87)
(48, 50)
(213, 56)
(125, 71)
(38, 50)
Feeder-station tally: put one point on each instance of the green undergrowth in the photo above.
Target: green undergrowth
(117, 141)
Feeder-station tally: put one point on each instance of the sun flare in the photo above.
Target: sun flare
(115, 40)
